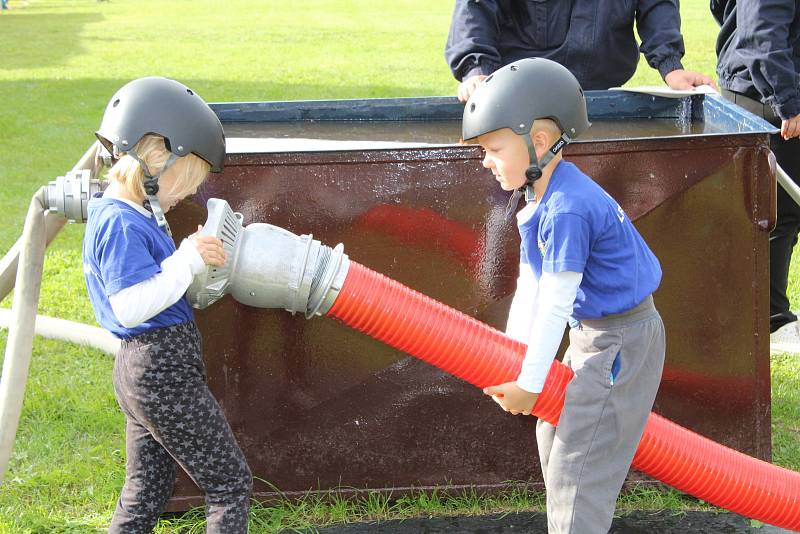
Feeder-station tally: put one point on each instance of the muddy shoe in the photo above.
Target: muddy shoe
(785, 339)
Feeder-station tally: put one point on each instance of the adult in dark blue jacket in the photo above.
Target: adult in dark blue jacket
(594, 39)
(758, 51)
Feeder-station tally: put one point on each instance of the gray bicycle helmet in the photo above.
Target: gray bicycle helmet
(164, 107)
(519, 93)
(167, 108)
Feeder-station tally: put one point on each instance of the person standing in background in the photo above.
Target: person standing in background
(594, 39)
(758, 64)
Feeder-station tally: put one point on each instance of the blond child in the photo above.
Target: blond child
(165, 139)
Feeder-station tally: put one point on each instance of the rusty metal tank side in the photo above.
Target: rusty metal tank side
(317, 406)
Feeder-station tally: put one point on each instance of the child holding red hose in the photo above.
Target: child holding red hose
(582, 262)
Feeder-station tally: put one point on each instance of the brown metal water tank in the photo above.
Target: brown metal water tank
(319, 407)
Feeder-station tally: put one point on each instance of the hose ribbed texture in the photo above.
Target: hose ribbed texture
(463, 346)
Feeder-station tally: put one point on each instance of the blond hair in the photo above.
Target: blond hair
(190, 170)
(548, 126)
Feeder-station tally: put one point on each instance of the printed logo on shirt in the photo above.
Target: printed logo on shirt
(541, 247)
(620, 213)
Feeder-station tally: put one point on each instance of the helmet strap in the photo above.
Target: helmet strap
(534, 171)
(152, 205)
(151, 202)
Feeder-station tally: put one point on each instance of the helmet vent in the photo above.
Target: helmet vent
(487, 80)
(189, 91)
(116, 103)
(514, 67)
(472, 107)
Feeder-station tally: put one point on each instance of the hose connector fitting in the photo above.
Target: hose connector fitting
(70, 194)
(268, 267)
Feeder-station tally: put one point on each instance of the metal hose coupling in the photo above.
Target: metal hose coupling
(70, 194)
(268, 267)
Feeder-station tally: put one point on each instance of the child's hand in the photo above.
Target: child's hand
(209, 247)
(512, 398)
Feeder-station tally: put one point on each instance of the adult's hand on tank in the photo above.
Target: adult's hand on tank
(512, 398)
(209, 247)
(790, 128)
(681, 80)
(468, 86)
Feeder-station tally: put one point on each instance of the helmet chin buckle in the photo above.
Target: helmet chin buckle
(533, 173)
(151, 187)
(529, 194)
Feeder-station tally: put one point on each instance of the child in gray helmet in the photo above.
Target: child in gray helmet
(582, 263)
(165, 139)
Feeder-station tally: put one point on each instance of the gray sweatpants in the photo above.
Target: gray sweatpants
(171, 417)
(617, 362)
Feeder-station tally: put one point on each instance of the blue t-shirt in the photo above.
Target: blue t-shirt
(122, 247)
(578, 227)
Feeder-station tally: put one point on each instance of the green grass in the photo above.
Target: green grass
(786, 411)
(60, 63)
(68, 462)
(315, 511)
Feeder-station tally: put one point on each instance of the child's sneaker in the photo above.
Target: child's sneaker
(785, 338)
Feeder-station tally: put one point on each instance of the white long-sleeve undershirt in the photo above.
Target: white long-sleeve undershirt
(538, 315)
(523, 305)
(139, 302)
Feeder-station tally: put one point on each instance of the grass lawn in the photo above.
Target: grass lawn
(59, 64)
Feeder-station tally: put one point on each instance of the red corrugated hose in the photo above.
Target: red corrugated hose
(463, 346)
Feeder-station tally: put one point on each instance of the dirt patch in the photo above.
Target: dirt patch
(638, 522)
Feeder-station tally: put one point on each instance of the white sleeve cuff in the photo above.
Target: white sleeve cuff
(191, 256)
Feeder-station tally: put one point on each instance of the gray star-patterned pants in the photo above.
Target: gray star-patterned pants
(172, 418)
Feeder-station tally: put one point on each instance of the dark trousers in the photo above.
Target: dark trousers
(784, 237)
(172, 418)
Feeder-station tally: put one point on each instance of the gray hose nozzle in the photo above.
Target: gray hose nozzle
(268, 267)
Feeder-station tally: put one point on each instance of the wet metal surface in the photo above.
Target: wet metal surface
(346, 135)
(318, 406)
